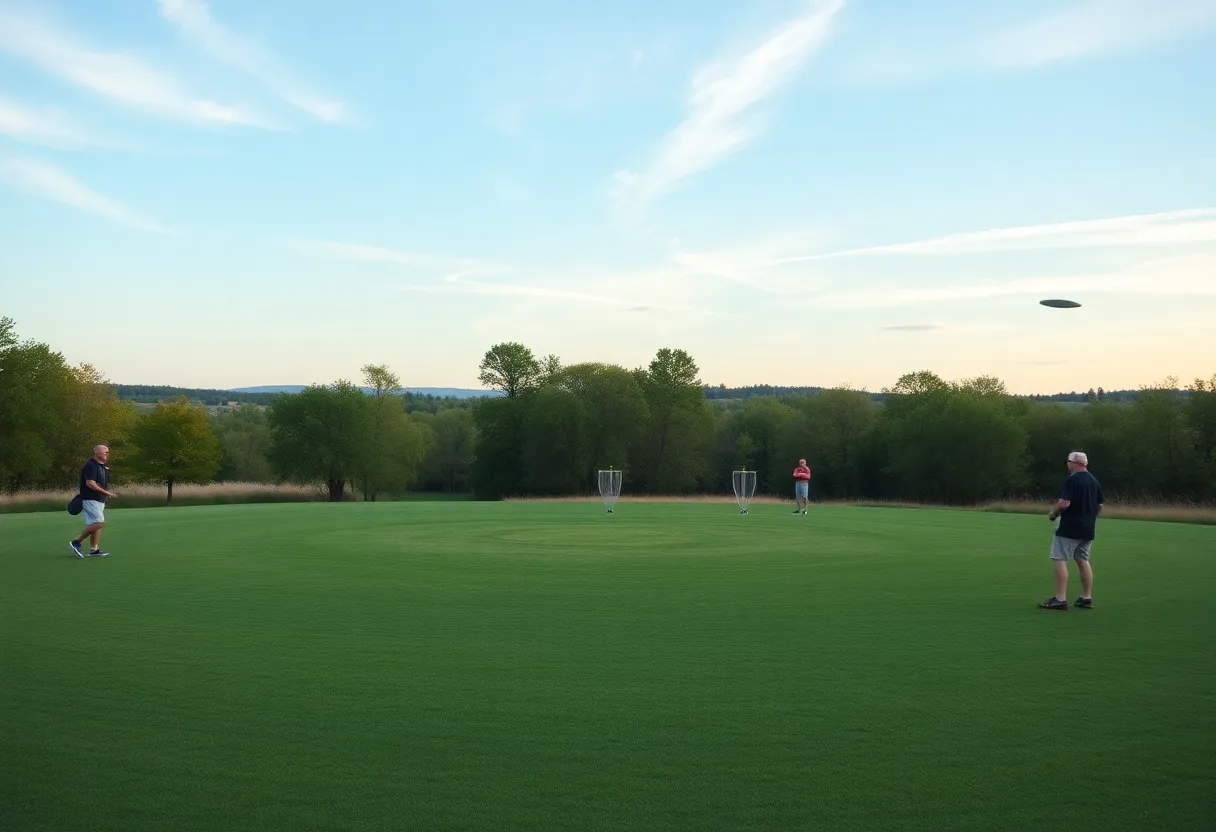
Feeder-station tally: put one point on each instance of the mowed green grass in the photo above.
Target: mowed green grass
(544, 666)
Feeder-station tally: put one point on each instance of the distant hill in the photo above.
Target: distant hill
(437, 392)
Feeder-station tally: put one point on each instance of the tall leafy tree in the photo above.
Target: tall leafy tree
(511, 368)
(172, 444)
(556, 442)
(244, 434)
(615, 414)
(33, 381)
(499, 471)
(452, 448)
(320, 435)
(381, 380)
(395, 446)
(680, 424)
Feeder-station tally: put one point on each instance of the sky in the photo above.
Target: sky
(797, 192)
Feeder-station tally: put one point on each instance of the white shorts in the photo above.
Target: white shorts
(1066, 548)
(94, 512)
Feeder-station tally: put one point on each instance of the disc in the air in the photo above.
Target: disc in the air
(1060, 304)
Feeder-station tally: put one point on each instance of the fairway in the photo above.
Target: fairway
(544, 666)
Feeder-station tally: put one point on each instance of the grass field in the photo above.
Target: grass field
(543, 666)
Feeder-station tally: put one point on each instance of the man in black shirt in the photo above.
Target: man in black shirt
(94, 491)
(1078, 508)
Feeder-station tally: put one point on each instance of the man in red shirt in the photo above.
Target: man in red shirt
(802, 486)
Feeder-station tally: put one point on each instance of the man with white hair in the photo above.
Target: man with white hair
(94, 491)
(1078, 508)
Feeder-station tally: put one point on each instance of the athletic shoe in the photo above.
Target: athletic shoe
(76, 548)
(97, 553)
(1084, 603)
(1053, 603)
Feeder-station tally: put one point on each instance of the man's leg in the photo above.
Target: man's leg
(1061, 554)
(1087, 571)
(96, 536)
(89, 531)
(1061, 567)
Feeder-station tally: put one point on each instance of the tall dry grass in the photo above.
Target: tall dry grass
(147, 496)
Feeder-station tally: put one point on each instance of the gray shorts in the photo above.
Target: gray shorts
(94, 512)
(1066, 548)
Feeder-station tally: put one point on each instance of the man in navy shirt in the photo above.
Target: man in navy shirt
(1078, 508)
(94, 491)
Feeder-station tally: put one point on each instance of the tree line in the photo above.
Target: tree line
(555, 425)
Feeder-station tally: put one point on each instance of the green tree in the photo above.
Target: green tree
(244, 434)
(174, 443)
(1160, 443)
(556, 443)
(511, 368)
(948, 444)
(452, 448)
(752, 435)
(614, 410)
(33, 382)
(1052, 432)
(1201, 415)
(679, 430)
(499, 469)
(830, 429)
(320, 435)
(381, 380)
(550, 368)
(394, 448)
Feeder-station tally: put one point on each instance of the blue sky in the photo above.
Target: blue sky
(819, 192)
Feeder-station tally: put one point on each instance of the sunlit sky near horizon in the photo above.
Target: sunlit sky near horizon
(797, 192)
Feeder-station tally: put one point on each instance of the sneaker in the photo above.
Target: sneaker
(1053, 604)
(76, 548)
(97, 553)
(1084, 603)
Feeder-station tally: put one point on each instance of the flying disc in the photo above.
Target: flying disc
(1060, 304)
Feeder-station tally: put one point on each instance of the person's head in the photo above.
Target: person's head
(1078, 461)
(802, 462)
(101, 453)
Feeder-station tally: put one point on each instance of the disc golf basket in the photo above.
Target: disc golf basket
(610, 487)
(744, 483)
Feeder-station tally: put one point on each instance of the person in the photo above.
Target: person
(94, 491)
(1078, 508)
(802, 486)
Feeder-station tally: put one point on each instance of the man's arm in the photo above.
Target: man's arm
(1061, 504)
(93, 485)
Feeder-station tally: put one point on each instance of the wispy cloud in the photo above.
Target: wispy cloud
(1080, 30)
(1196, 225)
(359, 253)
(914, 328)
(47, 181)
(45, 126)
(442, 274)
(721, 107)
(1096, 27)
(1177, 276)
(119, 77)
(193, 19)
(628, 302)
